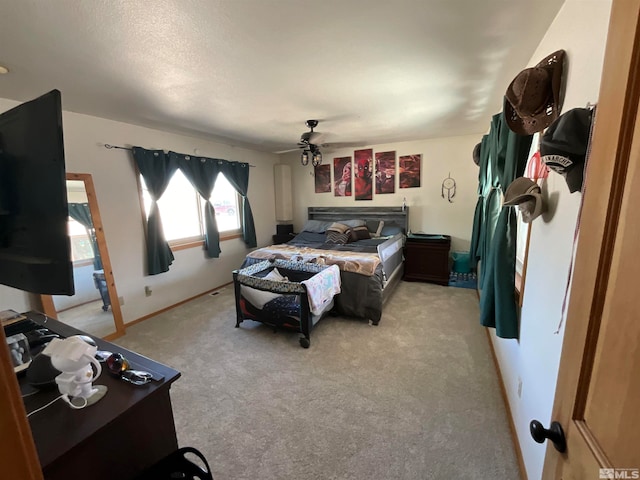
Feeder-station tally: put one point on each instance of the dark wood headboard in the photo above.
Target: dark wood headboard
(396, 215)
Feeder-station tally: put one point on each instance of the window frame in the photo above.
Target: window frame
(521, 272)
(193, 241)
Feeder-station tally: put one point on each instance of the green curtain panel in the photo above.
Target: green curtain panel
(202, 173)
(484, 185)
(81, 213)
(507, 158)
(156, 168)
(238, 175)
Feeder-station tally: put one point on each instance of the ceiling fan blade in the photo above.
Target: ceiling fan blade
(311, 137)
(338, 145)
(287, 151)
(315, 137)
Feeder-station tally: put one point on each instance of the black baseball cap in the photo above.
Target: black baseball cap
(563, 146)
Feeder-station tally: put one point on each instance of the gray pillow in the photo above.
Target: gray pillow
(316, 226)
(375, 227)
(390, 229)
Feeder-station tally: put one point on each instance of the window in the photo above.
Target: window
(182, 210)
(81, 248)
(522, 250)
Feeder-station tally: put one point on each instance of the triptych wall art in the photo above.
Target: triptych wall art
(362, 176)
(342, 176)
(410, 171)
(323, 178)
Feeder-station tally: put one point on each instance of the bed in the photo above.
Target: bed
(370, 269)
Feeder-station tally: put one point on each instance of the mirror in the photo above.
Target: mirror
(94, 308)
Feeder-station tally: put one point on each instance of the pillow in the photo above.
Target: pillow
(338, 227)
(359, 233)
(375, 227)
(353, 223)
(337, 237)
(276, 275)
(258, 298)
(390, 230)
(316, 226)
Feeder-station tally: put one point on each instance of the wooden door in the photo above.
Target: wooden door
(18, 456)
(598, 394)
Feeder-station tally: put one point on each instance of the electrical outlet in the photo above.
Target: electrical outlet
(519, 387)
(121, 300)
(147, 291)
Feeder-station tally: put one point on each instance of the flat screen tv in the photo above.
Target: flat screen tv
(35, 253)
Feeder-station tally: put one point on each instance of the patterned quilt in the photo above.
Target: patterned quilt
(356, 262)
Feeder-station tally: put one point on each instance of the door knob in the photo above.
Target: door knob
(554, 433)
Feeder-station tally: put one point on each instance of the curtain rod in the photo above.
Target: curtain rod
(106, 145)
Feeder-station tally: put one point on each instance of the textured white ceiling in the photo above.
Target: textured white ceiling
(250, 72)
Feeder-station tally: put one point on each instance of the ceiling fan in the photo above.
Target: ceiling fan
(310, 144)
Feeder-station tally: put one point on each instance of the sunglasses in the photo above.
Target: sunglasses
(120, 366)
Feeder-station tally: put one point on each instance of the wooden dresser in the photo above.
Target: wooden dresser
(427, 258)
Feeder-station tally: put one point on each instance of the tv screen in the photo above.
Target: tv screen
(35, 254)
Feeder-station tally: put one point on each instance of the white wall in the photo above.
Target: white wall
(428, 211)
(580, 29)
(114, 179)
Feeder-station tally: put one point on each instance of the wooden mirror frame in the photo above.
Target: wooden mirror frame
(47, 301)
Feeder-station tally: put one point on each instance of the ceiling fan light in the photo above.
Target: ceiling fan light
(317, 158)
(304, 158)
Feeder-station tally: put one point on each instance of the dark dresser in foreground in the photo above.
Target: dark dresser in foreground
(427, 258)
(119, 437)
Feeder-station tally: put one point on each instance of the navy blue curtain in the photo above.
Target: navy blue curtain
(202, 173)
(156, 168)
(81, 213)
(238, 176)
(507, 158)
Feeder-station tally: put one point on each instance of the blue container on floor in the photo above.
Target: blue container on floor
(460, 262)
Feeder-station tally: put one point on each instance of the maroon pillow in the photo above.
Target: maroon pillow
(361, 233)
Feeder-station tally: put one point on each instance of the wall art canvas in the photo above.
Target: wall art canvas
(323, 178)
(363, 160)
(342, 177)
(385, 172)
(409, 170)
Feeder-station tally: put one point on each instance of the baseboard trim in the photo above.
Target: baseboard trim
(182, 302)
(505, 399)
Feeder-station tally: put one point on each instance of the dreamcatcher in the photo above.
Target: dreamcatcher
(449, 184)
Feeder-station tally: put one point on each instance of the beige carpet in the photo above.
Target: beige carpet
(416, 397)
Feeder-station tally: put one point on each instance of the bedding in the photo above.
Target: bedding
(369, 267)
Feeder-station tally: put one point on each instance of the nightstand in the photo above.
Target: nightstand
(282, 238)
(427, 258)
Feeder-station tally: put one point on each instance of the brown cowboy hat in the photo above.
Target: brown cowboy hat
(533, 100)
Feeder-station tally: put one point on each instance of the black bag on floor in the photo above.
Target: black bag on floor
(178, 466)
